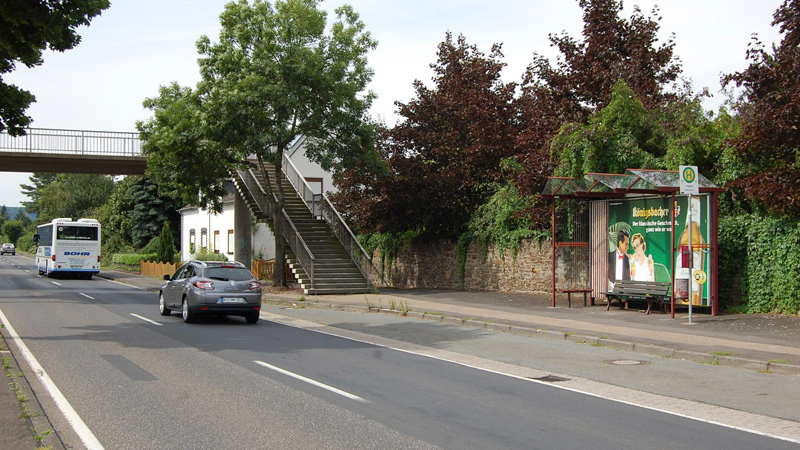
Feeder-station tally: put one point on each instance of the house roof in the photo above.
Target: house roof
(633, 181)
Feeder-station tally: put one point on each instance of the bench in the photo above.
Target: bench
(649, 291)
(569, 293)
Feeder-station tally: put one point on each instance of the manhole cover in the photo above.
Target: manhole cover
(627, 362)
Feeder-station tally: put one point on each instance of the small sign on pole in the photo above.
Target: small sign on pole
(689, 180)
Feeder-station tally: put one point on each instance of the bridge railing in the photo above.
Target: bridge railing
(73, 142)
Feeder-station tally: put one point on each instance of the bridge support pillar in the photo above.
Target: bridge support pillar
(243, 230)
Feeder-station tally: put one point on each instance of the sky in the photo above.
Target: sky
(136, 46)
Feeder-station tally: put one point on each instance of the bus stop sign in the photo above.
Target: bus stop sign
(689, 180)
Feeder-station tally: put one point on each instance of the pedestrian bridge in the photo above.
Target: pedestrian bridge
(72, 151)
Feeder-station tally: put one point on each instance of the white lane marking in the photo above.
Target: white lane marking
(772, 427)
(86, 295)
(314, 382)
(57, 284)
(84, 433)
(146, 319)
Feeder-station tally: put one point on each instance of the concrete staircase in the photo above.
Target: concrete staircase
(332, 270)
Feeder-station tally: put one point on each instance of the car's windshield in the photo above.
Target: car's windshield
(228, 273)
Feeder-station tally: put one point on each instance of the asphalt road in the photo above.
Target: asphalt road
(140, 380)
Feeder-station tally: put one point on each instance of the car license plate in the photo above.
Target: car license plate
(231, 300)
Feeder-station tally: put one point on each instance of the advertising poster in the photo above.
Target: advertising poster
(640, 243)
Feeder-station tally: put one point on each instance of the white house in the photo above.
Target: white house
(201, 229)
(216, 232)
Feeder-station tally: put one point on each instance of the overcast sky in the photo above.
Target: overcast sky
(136, 46)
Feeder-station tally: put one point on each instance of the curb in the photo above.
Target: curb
(760, 366)
(42, 431)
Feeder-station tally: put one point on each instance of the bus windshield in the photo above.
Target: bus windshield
(72, 233)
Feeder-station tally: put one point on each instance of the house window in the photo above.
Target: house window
(191, 241)
(203, 240)
(216, 241)
(230, 242)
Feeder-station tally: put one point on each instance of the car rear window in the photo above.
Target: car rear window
(228, 273)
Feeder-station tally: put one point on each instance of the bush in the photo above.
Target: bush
(132, 259)
(759, 263)
(204, 256)
(26, 243)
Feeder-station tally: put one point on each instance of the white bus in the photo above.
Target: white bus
(67, 247)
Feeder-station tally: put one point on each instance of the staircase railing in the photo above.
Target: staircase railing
(256, 191)
(321, 207)
(285, 224)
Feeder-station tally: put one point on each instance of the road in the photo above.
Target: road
(140, 380)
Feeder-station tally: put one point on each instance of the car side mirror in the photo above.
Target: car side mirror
(36, 238)
(166, 277)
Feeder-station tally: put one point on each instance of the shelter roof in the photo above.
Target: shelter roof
(633, 181)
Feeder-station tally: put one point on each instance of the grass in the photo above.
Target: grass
(778, 361)
(722, 354)
(370, 305)
(302, 298)
(399, 306)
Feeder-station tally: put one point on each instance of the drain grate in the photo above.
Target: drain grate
(549, 379)
(626, 362)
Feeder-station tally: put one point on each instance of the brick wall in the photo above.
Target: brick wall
(435, 265)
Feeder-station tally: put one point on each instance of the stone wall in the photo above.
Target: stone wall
(435, 265)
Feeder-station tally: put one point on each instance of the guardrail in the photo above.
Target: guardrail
(74, 142)
(321, 207)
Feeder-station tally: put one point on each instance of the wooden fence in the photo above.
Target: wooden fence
(157, 269)
(262, 270)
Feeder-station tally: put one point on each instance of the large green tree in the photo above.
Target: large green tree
(33, 191)
(770, 113)
(74, 196)
(278, 72)
(28, 28)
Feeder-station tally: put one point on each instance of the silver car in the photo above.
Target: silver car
(211, 288)
(8, 248)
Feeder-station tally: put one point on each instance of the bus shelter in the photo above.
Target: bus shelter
(641, 218)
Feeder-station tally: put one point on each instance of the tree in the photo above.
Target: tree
(13, 230)
(165, 249)
(27, 28)
(612, 49)
(770, 112)
(23, 218)
(276, 74)
(74, 196)
(444, 154)
(4, 215)
(149, 211)
(38, 181)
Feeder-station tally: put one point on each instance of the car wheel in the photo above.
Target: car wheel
(162, 308)
(188, 316)
(252, 317)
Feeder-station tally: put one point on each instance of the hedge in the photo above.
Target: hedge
(760, 264)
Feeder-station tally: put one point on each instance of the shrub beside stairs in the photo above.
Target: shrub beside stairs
(334, 269)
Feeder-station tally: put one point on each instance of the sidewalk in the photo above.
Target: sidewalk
(758, 342)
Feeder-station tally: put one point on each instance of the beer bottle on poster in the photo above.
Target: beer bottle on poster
(698, 257)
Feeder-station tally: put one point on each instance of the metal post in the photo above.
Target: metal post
(691, 256)
(554, 251)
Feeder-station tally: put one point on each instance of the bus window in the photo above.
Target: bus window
(77, 233)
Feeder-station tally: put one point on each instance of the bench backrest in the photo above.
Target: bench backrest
(642, 288)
